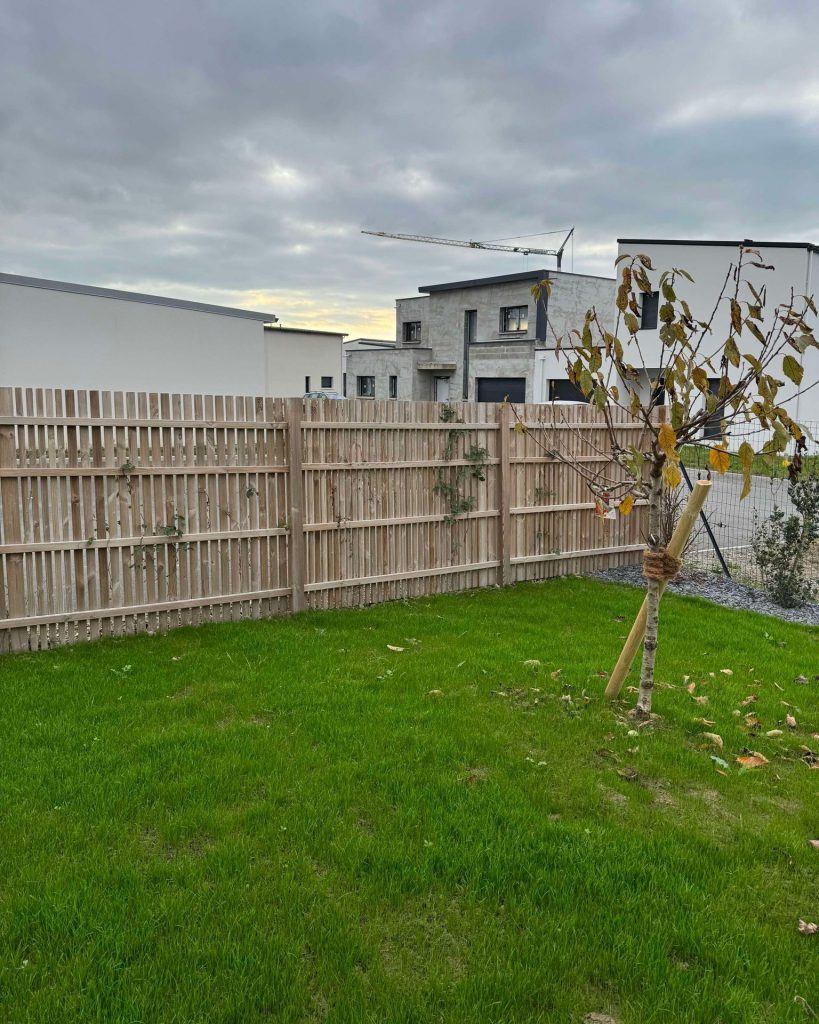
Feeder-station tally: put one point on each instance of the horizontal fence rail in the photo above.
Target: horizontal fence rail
(124, 512)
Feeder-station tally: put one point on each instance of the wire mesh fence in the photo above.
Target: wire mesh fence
(733, 523)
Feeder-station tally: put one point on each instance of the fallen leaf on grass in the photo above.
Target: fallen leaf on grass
(629, 774)
(531, 663)
(713, 738)
(752, 721)
(727, 671)
(702, 699)
(773, 733)
(753, 760)
(790, 721)
(704, 721)
(814, 843)
(801, 680)
(435, 693)
(749, 700)
(719, 761)
(691, 687)
(808, 927)
(556, 673)
(392, 647)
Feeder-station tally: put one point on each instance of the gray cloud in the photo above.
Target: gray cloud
(233, 152)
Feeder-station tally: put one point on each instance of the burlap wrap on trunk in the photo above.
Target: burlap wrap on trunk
(660, 565)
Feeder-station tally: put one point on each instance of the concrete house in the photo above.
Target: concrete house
(479, 340)
(796, 267)
(59, 335)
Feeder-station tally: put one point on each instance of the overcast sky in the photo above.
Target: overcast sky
(232, 151)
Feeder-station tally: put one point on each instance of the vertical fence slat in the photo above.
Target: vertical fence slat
(11, 639)
(295, 479)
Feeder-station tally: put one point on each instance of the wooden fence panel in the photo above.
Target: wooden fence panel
(133, 512)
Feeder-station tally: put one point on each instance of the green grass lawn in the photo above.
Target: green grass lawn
(695, 456)
(276, 821)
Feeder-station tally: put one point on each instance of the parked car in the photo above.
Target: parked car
(323, 394)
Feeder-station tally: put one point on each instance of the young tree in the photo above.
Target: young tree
(614, 374)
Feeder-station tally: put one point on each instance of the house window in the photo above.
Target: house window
(648, 313)
(306, 384)
(412, 332)
(366, 387)
(393, 386)
(514, 319)
(565, 391)
(344, 384)
(326, 382)
(471, 326)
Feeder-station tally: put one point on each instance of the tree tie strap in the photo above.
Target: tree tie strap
(660, 565)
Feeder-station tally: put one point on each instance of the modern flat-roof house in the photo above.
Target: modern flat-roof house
(796, 267)
(478, 340)
(59, 335)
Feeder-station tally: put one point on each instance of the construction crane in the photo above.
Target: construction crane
(524, 250)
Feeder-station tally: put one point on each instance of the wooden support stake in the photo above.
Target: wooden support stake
(295, 485)
(11, 531)
(504, 496)
(676, 546)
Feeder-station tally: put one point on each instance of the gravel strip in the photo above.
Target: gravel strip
(718, 589)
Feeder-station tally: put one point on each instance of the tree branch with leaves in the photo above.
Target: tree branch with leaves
(613, 373)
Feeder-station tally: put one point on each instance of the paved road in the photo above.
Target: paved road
(733, 521)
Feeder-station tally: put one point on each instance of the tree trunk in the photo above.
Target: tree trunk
(653, 594)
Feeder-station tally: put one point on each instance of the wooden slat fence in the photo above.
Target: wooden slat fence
(124, 512)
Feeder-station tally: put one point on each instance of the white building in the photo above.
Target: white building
(59, 335)
(796, 267)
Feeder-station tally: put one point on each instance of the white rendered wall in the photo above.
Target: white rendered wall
(708, 264)
(293, 355)
(54, 339)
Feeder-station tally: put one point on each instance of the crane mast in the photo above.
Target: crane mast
(523, 250)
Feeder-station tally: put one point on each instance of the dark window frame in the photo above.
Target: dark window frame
(393, 385)
(326, 382)
(412, 332)
(307, 387)
(364, 391)
(650, 311)
(512, 315)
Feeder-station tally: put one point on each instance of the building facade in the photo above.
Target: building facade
(479, 340)
(59, 335)
(795, 268)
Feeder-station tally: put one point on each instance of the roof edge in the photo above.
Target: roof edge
(152, 300)
(810, 246)
(278, 326)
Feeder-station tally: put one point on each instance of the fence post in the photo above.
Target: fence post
(14, 639)
(295, 493)
(504, 495)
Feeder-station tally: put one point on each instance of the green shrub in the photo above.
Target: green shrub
(782, 543)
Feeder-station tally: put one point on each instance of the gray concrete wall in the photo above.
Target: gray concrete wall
(382, 363)
(498, 354)
(572, 295)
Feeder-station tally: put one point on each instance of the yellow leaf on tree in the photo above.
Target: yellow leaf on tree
(719, 459)
(667, 439)
(626, 505)
(746, 458)
(672, 477)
